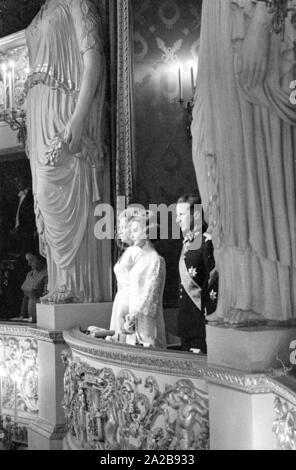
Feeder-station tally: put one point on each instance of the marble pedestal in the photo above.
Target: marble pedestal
(67, 316)
(250, 349)
(241, 409)
(48, 431)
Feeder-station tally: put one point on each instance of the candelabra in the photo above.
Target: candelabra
(188, 108)
(280, 10)
(16, 119)
(187, 104)
(12, 97)
(12, 435)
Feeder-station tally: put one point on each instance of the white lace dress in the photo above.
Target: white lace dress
(140, 275)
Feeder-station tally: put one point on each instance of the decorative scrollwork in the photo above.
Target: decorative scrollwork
(55, 337)
(108, 412)
(18, 357)
(284, 426)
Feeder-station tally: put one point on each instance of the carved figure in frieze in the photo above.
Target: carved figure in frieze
(118, 413)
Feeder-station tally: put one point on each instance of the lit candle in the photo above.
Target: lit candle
(9, 88)
(4, 86)
(192, 81)
(12, 83)
(180, 85)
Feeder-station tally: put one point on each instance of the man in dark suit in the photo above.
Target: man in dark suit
(24, 224)
(4, 225)
(196, 267)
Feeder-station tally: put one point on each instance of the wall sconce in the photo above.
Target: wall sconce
(14, 116)
(189, 104)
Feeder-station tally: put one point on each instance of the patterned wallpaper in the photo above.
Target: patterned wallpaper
(16, 15)
(166, 38)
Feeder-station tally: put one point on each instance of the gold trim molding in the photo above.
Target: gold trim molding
(55, 337)
(124, 152)
(177, 364)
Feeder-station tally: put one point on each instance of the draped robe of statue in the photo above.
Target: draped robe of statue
(244, 152)
(65, 192)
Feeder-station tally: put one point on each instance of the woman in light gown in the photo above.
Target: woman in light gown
(137, 315)
(65, 98)
(244, 144)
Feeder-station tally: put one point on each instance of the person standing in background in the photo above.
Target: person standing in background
(24, 228)
(35, 284)
(4, 226)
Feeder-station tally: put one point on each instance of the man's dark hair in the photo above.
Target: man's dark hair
(193, 199)
(32, 248)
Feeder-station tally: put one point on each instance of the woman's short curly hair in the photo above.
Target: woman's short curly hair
(137, 213)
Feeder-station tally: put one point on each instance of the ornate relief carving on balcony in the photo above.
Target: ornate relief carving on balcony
(55, 337)
(18, 360)
(105, 411)
(177, 364)
(284, 426)
(284, 387)
(165, 362)
(248, 383)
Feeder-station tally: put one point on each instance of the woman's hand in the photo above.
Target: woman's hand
(130, 324)
(255, 48)
(73, 134)
(121, 320)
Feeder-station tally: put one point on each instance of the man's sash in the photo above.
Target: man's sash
(192, 289)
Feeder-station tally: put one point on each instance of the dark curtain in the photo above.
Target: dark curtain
(108, 13)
